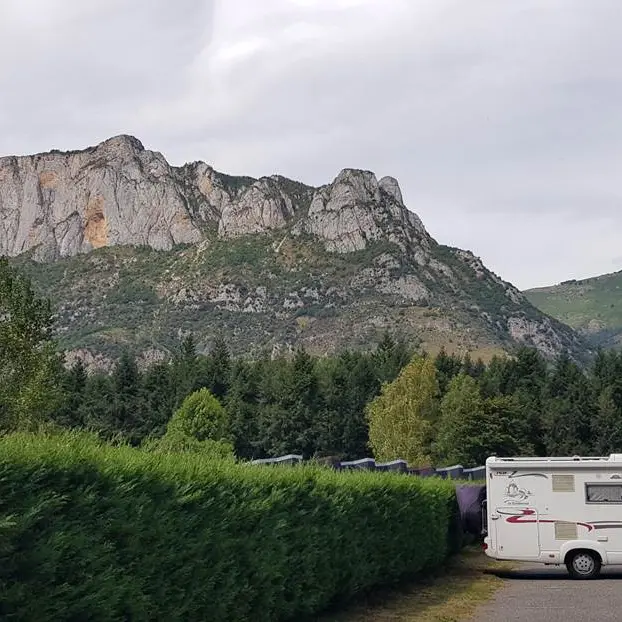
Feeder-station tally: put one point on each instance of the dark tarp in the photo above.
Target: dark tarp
(470, 500)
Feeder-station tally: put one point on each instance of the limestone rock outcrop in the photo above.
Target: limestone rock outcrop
(60, 204)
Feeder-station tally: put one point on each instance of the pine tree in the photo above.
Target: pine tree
(243, 410)
(525, 377)
(334, 382)
(218, 369)
(525, 372)
(96, 412)
(507, 431)
(362, 386)
(348, 383)
(479, 369)
(126, 376)
(607, 424)
(292, 417)
(606, 370)
(159, 398)
(491, 381)
(128, 417)
(185, 370)
(69, 412)
(461, 435)
(390, 357)
(569, 408)
(447, 367)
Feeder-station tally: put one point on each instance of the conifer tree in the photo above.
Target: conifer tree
(568, 409)
(243, 410)
(461, 433)
(73, 383)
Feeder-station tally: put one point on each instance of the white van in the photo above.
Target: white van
(555, 511)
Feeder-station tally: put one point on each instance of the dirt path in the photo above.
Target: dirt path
(543, 594)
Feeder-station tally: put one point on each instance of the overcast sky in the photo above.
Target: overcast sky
(501, 119)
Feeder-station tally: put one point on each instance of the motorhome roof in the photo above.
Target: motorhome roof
(614, 460)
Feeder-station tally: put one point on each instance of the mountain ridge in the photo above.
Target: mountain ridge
(187, 201)
(347, 257)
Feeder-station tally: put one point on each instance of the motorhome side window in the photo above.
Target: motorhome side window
(603, 493)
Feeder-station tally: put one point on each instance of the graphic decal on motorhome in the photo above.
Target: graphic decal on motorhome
(606, 524)
(516, 494)
(527, 516)
(515, 474)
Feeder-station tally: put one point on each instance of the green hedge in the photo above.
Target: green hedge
(91, 532)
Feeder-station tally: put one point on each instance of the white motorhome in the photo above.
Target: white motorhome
(555, 511)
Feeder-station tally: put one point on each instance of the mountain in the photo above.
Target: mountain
(591, 306)
(135, 252)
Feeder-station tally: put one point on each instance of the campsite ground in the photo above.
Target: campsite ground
(537, 593)
(473, 588)
(450, 595)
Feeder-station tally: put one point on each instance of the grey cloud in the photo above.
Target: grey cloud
(501, 120)
(87, 72)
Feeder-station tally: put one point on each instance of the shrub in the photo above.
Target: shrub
(177, 442)
(92, 532)
(200, 416)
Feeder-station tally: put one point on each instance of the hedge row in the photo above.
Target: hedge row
(91, 532)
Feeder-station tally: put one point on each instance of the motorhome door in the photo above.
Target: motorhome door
(517, 532)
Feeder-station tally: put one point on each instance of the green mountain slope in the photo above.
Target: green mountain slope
(591, 306)
(263, 300)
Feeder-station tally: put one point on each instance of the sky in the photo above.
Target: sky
(501, 120)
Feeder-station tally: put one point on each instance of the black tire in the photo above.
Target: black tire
(583, 564)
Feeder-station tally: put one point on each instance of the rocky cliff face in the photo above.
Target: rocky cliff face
(117, 193)
(376, 267)
(62, 204)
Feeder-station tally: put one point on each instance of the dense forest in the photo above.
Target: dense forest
(393, 401)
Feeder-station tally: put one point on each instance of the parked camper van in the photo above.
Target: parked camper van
(555, 511)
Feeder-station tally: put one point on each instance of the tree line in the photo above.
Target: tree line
(393, 401)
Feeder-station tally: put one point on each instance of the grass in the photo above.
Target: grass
(579, 302)
(448, 595)
(593, 306)
(486, 353)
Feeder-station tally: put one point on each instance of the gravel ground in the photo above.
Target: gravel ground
(536, 593)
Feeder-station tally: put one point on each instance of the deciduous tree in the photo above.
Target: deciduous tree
(401, 417)
(29, 365)
(200, 416)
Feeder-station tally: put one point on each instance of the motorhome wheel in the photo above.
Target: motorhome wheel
(583, 565)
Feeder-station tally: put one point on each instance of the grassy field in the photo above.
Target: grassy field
(591, 305)
(449, 595)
